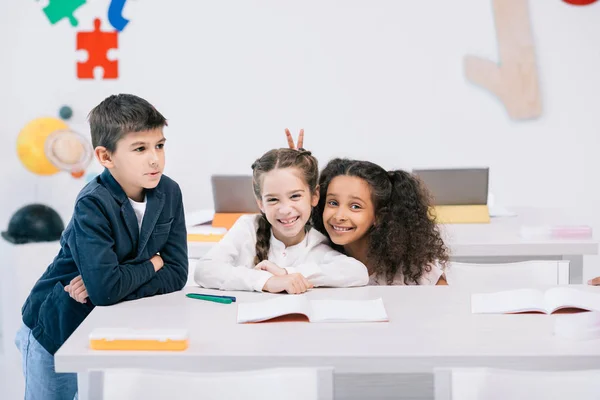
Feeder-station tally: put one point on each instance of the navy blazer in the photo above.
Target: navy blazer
(104, 245)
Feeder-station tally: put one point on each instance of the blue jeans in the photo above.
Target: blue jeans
(41, 382)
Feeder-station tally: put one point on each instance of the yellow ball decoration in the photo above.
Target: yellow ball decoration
(31, 142)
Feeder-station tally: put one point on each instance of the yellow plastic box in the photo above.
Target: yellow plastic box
(128, 339)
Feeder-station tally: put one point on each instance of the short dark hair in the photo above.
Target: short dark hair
(119, 115)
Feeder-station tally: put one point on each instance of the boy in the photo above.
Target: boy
(126, 240)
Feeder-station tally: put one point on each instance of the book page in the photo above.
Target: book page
(565, 297)
(348, 311)
(272, 308)
(509, 301)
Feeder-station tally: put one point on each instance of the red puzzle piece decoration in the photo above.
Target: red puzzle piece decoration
(97, 43)
(580, 2)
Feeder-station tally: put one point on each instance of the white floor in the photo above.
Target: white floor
(11, 379)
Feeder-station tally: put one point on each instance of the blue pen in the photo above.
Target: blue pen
(218, 297)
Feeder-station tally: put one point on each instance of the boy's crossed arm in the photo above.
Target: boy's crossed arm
(78, 292)
(107, 282)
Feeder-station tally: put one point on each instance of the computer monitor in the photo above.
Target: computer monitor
(456, 186)
(233, 194)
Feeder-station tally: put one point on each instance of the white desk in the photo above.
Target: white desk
(440, 331)
(500, 241)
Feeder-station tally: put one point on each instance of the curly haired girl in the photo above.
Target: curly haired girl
(382, 219)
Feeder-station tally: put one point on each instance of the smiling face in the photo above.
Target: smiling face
(349, 211)
(287, 203)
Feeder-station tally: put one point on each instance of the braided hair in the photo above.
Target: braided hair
(301, 159)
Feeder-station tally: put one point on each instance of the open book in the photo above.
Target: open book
(531, 300)
(313, 310)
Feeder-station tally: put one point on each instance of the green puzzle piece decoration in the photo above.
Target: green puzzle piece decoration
(59, 9)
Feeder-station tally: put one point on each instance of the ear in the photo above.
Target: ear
(315, 197)
(104, 157)
(260, 205)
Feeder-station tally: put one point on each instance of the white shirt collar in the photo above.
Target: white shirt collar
(278, 245)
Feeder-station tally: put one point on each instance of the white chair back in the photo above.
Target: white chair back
(509, 275)
(276, 384)
(496, 384)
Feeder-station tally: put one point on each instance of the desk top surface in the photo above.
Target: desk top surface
(428, 327)
(501, 237)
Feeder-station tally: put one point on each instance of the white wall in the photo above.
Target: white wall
(376, 80)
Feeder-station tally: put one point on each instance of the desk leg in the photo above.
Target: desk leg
(575, 269)
(90, 385)
(383, 386)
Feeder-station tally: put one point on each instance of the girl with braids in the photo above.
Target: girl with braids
(278, 251)
(382, 219)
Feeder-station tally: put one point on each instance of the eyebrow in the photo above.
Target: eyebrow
(140, 143)
(352, 197)
(288, 193)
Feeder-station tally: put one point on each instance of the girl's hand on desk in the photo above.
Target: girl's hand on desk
(290, 140)
(266, 265)
(291, 283)
(595, 281)
(77, 290)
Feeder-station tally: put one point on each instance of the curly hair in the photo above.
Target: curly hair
(404, 237)
(301, 159)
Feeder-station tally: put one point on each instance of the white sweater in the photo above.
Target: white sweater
(229, 265)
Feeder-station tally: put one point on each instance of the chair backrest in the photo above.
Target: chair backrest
(497, 384)
(277, 383)
(509, 275)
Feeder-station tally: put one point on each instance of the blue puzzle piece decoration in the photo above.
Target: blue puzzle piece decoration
(115, 15)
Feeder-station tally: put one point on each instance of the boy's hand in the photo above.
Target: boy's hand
(290, 140)
(77, 290)
(266, 265)
(158, 262)
(291, 283)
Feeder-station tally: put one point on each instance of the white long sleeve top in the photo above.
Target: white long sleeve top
(229, 265)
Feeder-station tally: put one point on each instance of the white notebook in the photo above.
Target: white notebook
(313, 310)
(532, 300)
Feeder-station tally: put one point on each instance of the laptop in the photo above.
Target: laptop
(233, 194)
(456, 186)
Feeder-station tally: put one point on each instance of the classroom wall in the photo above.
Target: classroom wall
(381, 80)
